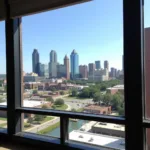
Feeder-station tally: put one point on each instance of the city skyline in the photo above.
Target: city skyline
(99, 39)
(53, 58)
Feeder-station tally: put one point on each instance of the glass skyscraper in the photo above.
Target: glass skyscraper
(98, 65)
(74, 60)
(35, 62)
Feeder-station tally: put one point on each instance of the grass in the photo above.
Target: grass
(61, 107)
(4, 119)
(49, 129)
(80, 110)
(27, 126)
(3, 125)
(48, 118)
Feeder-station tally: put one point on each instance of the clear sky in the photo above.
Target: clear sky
(94, 29)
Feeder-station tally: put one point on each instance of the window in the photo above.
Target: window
(24, 106)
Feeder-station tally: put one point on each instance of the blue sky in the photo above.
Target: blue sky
(94, 29)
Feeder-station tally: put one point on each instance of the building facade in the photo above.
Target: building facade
(97, 65)
(106, 65)
(53, 64)
(74, 60)
(35, 62)
(83, 69)
(61, 71)
(66, 63)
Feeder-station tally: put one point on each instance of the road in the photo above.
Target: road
(37, 128)
(77, 103)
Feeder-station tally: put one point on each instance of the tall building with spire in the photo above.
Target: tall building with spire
(66, 63)
(53, 64)
(74, 60)
(35, 62)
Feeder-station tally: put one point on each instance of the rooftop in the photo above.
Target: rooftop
(109, 126)
(95, 107)
(117, 87)
(98, 139)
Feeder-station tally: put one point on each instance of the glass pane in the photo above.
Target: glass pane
(3, 81)
(41, 124)
(3, 119)
(68, 66)
(106, 135)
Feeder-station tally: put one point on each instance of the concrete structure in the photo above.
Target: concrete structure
(106, 64)
(35, 62)
(96, 109)
(97, 65)
(74, 60)
(53, 64)
(115, 89)
(83, 69)
(104, 142)
(99, 75)
(113, 72)
(109, 129)
(66, 63)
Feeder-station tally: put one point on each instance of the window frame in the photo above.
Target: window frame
(133, 27)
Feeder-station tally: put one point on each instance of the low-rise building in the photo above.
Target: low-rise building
(109, 129)
(115, 89)
(95, 109)
(31, 85)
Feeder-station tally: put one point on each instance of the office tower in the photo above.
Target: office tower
(113, 72)
(83, 69)
(91, 68)
(35, 62)
(97, 65)
(61, 71)
(74, 60)
(53, 64)
(44, 70)
(106, 65)
(66, 63)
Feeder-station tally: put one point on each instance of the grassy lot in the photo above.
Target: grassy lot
(48, 118)
(27, 126)
(3, 125)
(61, 107)
(80, 110)
(49, 129)
(4, 119)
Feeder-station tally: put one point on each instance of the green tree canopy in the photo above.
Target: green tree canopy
(59, 101)
(38, 117)
(62, 92)
(85, 93)
(74, 92)
(35, 91)
(98, 97)
(50, 99)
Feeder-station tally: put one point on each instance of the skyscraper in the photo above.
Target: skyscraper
(106, 65)
(74, 60)
(53, 64)
(97, 65)
(83, 71)
(35, 62)
(91, 69)
(66, 63)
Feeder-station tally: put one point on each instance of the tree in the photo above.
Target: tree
(103, 88)
(53, 89)
(73, 110)
(59, 101)
(30, 120)
(38, 117)
(50, 99)
(98, 97)
(35, 91)
(74, 92)
(44, 106)
(85, 93)
(117, 101)
(107, 99)
(62, 92)
(121, 111)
